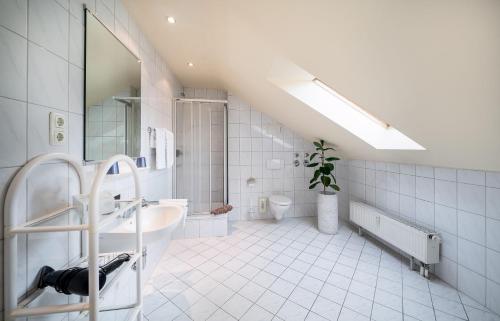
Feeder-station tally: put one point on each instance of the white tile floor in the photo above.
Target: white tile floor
(290, 271)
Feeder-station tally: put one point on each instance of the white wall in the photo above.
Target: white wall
(462, 205)
(41, 70)
(254, 138)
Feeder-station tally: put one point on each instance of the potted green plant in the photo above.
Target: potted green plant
(328, 214)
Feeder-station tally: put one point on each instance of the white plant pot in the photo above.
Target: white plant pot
(328, 213)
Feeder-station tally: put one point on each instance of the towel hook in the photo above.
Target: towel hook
(150, 132)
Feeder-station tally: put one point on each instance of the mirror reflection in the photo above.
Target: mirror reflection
(112, 95)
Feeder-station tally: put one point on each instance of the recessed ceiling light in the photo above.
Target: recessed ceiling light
(171, 19)
(190, 64)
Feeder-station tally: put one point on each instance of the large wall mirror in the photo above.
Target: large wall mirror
(112, 95)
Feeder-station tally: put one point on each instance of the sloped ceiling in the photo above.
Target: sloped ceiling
(429, 68)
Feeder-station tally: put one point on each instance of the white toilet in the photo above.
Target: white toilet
(279, 205)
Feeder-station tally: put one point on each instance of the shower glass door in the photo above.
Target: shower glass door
(200, 172)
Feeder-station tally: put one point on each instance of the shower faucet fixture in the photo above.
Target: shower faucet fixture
(296, 162)
(306, 159)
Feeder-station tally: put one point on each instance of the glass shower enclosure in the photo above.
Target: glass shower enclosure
(201, 153)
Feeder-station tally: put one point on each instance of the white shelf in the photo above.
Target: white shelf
(104, 258)
(118, 273)
(90, 223)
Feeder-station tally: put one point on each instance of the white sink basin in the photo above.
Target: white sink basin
(158, 222)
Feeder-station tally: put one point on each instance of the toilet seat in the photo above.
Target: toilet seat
(280, 200)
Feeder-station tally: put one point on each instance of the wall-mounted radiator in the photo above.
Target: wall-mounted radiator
(418, 242)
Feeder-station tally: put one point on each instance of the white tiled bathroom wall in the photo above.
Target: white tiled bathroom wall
(462, 205)
(41, 71)
(253, 139)
(105, 131)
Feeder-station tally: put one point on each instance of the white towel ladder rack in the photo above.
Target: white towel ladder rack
(12, 228)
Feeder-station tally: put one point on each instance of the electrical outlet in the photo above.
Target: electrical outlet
(57, 129)
(58, 137)
(57, 121)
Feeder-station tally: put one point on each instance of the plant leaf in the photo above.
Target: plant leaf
(326, 180)
(317, 145)
(335, 187)
(312, 156)
(313, 185)
(328, 148)
(331, 159)
(315, 177)
(325, 170)
(329, 165)
(334, 179)
(312, 165)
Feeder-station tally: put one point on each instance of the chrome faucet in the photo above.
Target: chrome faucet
(146, 203)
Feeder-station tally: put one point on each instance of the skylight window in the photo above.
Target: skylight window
(322, 98)
(356, 120)
(350, 104)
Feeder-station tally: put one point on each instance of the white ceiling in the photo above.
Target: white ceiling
(429, 68)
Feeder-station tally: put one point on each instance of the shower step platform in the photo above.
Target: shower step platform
(203, 225)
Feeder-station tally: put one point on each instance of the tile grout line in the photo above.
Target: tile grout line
(25, 237)
(350, 282)
(234, 272)
(309, 243)
(403, 293)
(463, 306)
(376, 282)
(486, 247)
(275, 314)
(355, 268)
(260, 270)
(67, 130)
(267, 289)
(278, 277)
(458, 182)
(432, 301)
(331, 271)
(305, 274)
